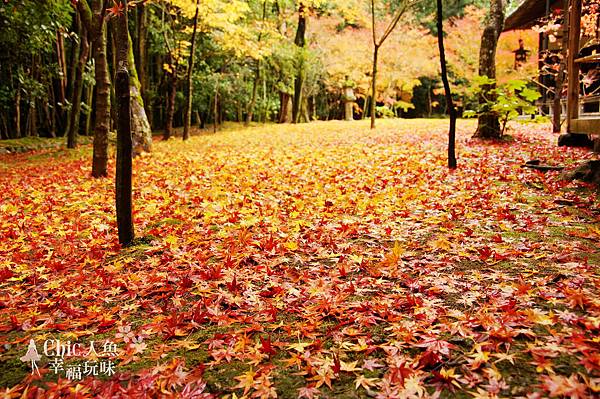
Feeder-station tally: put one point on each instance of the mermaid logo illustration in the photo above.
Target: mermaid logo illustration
(32, 356)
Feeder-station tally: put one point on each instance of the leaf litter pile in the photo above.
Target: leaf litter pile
(312, 261)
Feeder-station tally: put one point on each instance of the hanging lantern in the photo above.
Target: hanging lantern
(521, 55)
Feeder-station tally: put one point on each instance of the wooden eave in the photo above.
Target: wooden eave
(528, 13)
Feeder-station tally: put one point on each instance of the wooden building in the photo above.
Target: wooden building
(583, 109)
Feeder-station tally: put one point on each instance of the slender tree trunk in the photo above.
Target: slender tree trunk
(32, 116)
(89, 99)
(300, 42)
(172, 94)
(17, 133)
(74, 115)
(73, 59)
(447, 90)
(216, 110)
(62, 64)
(100, 156)
(111, 53)
(198, 119)
(560, 78)
(4, 131)
(189, 84)
(124, 141)
(50, 112)
(252, 104)
(429, 102)
(377, 44)
(264, 102)
(256, 82)
(142, 65)
(488, 123)
(572, 68)
(374, 86)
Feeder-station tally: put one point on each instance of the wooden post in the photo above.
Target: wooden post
(572, 68)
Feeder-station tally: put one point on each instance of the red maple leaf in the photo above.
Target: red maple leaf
(267, 347)
(116, 9)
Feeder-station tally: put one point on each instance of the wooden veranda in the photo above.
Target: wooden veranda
(583, 113)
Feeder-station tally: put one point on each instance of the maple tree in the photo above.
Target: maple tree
(378, 42)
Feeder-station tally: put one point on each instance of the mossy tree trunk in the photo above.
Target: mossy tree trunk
(140, 127)
(488, 126)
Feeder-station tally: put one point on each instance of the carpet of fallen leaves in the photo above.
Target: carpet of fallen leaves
(320, 260)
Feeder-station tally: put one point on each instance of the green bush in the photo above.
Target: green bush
(507, 102)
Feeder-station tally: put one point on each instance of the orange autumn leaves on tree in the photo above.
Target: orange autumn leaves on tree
(344, 46)
(407, 55)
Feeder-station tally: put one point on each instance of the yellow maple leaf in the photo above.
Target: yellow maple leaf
(441, 243)
(300, 346)
(246, 381)
(291, 245)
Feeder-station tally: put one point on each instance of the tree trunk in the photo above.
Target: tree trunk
(188, 105)
(429, 101)
(255, 83)
(89, 98)
(172, 94)
(140, 127)
(300, 42)
(62, 65)
(374, 86)
(124, 140)
(17, 133)
(447, 90)
(31, 129)
(50, 112)
(216, 110)
(74, 115)
(73, 60)
(250, 112)
(488, 123)
(142, 58)
(111, 53)
(198, 119)
(572, 67)
(285, 114)
(102, 122)
(4, 130)
(560, 78)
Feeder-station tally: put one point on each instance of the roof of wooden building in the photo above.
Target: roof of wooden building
(528, 13)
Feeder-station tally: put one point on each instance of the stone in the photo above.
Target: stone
(588, 172)
(574, 140)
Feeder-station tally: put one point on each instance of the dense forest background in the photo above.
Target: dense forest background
(246, 62)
